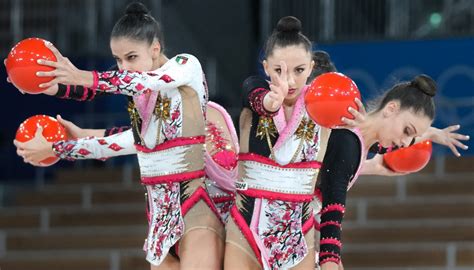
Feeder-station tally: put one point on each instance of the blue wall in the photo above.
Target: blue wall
(375, 66)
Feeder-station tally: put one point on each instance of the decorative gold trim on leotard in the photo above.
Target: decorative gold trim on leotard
(305, 130)
(162, 112)
(266, 128)
(135, 119)
(305, 133)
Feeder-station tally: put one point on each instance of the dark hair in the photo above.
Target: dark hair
(138, 24)
(416, 95)
(287, 33)
(322, 64)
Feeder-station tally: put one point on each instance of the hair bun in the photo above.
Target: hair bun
(136, 8)
(289, 24)
(321, 57)
(322, 62)
(425, 84)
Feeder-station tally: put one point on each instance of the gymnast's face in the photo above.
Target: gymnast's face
(398, 126)
(135, 55)
(299, 63)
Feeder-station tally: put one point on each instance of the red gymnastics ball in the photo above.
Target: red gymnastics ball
(53, 131)
(409, 159)
(22, 64)
(329, 97)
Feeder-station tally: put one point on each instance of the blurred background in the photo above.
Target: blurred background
(89, 214)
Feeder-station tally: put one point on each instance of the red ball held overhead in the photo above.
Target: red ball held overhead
(409, 159)
(22, 64)
(53, 131)
(329, 97)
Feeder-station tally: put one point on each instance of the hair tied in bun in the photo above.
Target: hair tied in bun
(289, 24)
(136, 8)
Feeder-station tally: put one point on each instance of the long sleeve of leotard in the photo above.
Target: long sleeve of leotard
(254, 90)
(96, 148)
(340, 164)
(376, 148)
(79, 92)
(181, 70)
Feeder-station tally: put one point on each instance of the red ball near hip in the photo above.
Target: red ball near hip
(409, 159)
(329, 97)
(22, 64)
(53, 131)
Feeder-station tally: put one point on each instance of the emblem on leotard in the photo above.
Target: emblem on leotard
(181, 60)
